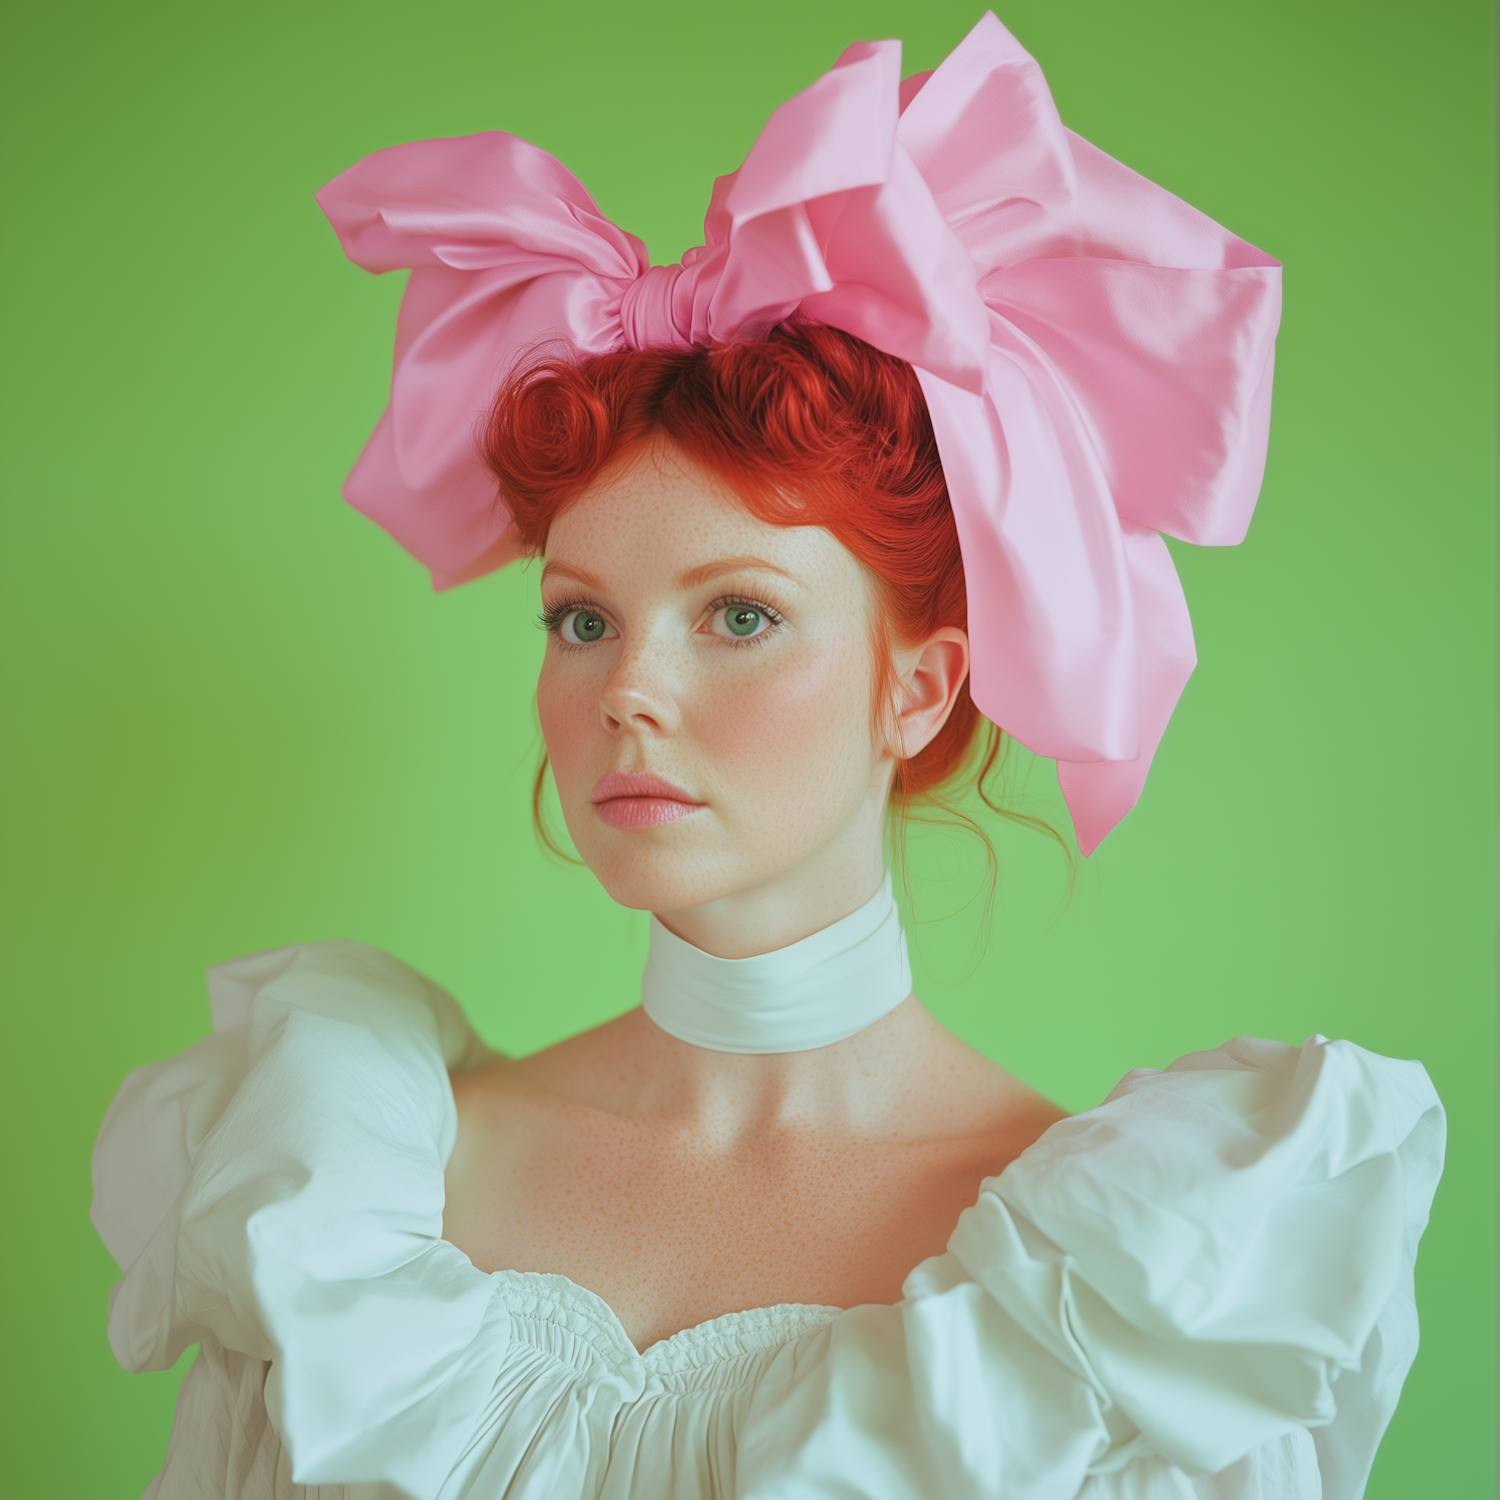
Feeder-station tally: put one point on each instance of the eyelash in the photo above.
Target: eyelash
(770, 611)
(551, 619)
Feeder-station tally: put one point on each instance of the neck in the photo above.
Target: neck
(757, 1046)
(799, 998)
(728, 1099)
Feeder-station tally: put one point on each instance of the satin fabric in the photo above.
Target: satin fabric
(809, 994)
(1096, 356)
(1199, 1290)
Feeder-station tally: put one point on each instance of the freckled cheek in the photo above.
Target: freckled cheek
(796, 732)
(568, 712)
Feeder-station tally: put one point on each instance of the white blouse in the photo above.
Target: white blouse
(1201, 1288)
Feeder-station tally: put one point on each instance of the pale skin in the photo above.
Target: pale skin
(679, 1183)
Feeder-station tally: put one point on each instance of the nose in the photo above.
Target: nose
(638, 696)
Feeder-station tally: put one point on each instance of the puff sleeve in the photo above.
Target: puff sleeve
(1223, 1252)
(277, 1190)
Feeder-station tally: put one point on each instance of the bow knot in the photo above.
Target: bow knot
(648, 314)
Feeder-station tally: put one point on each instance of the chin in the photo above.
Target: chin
(656, 884)
(661, 870)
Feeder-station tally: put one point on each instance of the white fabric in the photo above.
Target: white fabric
(808, 994)
(1199, 1290)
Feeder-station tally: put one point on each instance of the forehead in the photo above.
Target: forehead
(659, 514)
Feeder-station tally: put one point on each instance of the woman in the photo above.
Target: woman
(889, 452)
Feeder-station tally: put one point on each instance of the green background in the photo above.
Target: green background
(236, 717)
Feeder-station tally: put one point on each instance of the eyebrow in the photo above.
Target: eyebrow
(707, 572)
(693, 578)
(578, 575)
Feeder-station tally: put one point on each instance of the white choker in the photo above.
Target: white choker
(811, 994)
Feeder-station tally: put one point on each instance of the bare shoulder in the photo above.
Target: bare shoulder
(1001, 1117)
(511, 1098)
(955, 1091)
(518, 1118)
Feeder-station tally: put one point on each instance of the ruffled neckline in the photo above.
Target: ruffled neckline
(587, 1316)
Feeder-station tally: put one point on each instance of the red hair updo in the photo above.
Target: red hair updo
(807, 427)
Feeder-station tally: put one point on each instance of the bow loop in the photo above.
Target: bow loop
(473, 203)
(985, 135)
(1096, 356)
(835, 135)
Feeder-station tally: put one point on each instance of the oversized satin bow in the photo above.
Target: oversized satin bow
(1096, 356)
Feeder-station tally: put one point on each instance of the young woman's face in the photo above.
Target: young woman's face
(706, 696)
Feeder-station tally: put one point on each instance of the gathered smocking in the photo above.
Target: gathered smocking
(578, 1330)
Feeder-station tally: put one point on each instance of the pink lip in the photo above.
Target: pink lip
(639, 799)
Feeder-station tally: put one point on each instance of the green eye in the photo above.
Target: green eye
(742, 620)
(583, 627)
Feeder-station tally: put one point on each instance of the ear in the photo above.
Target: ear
(928, 678)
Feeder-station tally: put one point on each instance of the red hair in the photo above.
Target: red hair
(809, 426)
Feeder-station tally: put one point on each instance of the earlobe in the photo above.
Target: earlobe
(932, 676)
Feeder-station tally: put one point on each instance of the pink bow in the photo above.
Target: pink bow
(1096, 356)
